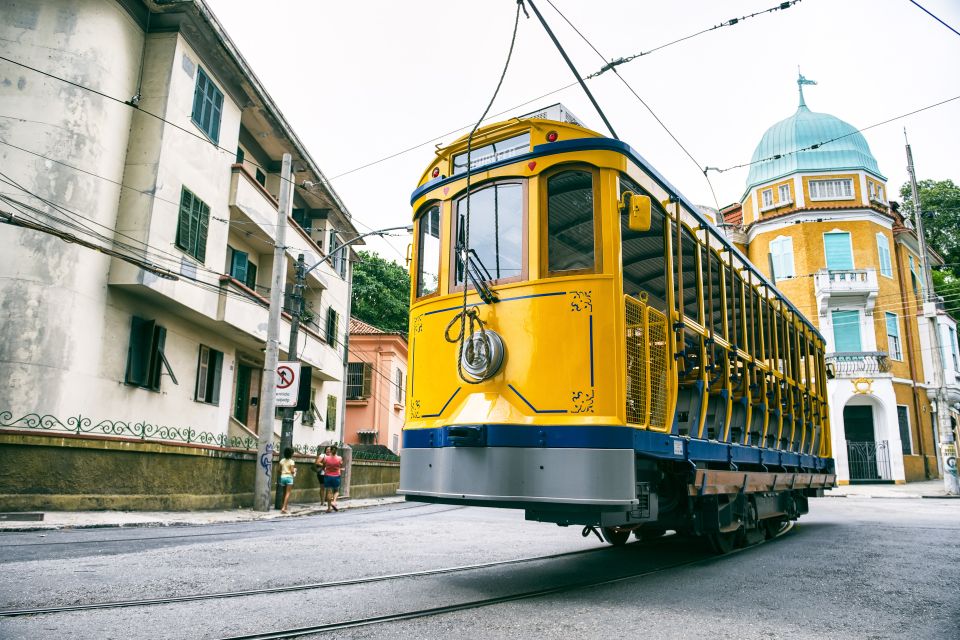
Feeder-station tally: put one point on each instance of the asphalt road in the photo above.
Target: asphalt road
(853, 568)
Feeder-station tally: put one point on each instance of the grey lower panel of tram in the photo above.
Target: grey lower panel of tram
(602, 477)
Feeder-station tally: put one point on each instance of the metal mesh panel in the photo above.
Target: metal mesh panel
(646, 360)
(657, 350)
(636, 365)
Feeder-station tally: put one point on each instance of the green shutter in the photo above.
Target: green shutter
(203, 371)
(238, 265)
(138, 351)
(331, 413)
(846, 331)
(203, 220)
(216, 367)
(184, 222)
(251, 280)
(838, 250)
(367, 379)
(883, 250)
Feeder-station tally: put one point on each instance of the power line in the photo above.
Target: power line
(642, 101)
(921, 7)
(817, 145)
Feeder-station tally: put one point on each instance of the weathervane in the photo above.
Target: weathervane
(801, 80)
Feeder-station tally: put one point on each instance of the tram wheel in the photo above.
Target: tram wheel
(616, 537)
(772, 527)
(722, 542)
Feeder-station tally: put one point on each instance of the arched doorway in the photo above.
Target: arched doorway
(868, 459)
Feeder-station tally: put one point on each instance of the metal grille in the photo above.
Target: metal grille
(646, 362)
(636, 365)
(657, 350)
(869, 460)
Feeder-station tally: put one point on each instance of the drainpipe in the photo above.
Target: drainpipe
(913, 370)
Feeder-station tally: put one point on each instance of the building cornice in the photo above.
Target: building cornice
(800, 216)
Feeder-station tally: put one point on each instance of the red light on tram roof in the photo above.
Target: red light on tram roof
(436, 172)
(552, 136)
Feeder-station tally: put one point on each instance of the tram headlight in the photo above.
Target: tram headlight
(482, 355)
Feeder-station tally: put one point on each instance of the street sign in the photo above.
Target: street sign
(288, 376)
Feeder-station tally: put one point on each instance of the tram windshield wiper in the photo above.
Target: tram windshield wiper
(477, 274)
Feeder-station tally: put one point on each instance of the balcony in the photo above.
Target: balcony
(855, 364)
(247, 313)
(856, 287)
(254, 210)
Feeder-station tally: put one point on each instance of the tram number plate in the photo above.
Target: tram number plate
(677, 447)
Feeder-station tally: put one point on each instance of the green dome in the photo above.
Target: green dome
(847, 151)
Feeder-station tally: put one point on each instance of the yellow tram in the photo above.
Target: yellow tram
(615, 361)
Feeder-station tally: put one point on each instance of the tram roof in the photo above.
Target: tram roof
(609, 144)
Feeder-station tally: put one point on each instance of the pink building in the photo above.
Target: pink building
(376, 386)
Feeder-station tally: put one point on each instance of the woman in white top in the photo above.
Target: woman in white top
(288, 469)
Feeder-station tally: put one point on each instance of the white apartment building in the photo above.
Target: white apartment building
(141, 130)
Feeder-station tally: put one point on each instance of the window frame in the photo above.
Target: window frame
(209, 373)
(544, 226)
(418, 250)
(400, 389)
(828, 198)
(202, 100)
(906, 447)
(330, 336)
(781, 200)
(778, 258)
(365, 376)
(192, 240)
(149, 359)
(452, 286)
(888, 271)
(894, 343)
(764, 193)
(826, 255)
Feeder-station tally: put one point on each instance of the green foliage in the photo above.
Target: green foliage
(381, 293)
(947, 285)
(940, 204)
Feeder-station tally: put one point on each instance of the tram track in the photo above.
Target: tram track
(118, 604)
(486, 602)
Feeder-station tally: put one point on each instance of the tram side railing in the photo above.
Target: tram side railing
(647, 364)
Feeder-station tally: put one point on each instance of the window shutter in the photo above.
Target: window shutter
(217, 108)
(138, 351)
(238, 265)
(184, 223)
(251, 279)
(893, 327)
(883, 250)
(156, 357)
(203, 220)
(846, 331)
(203, 368)
(367, 379)
(198, 94)
(838, 251)
(331, 413)
(216, 369)
(903, 421)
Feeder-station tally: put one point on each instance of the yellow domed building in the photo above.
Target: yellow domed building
(815, 216)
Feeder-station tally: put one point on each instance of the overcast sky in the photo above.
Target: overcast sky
(359, 81)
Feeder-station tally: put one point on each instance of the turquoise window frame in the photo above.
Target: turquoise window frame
(838, 250)
(846, 331)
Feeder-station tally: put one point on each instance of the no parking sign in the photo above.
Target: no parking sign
(288, 376)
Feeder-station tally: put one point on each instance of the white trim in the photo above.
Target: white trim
(853, 215)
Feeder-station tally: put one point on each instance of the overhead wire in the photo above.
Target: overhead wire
(929, 13)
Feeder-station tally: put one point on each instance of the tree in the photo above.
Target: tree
(940, 204)
(947, 286)
(381, 293)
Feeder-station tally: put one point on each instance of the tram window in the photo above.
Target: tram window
(715, 267)
(642, 254)
(689, 270)
(570, 221)
(496, 230)
(428, 253)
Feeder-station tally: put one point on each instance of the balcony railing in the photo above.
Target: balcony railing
(856, 286)
(849, 364)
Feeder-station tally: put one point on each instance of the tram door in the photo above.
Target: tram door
(861, 443)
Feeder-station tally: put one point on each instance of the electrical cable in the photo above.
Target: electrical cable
(921, 7)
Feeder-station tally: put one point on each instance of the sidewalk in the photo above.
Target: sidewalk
(926, 489)
(95, 519)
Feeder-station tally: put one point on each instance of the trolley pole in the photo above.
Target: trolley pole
(264, 472)
(948, 451)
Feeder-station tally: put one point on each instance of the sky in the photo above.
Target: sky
(361, 81)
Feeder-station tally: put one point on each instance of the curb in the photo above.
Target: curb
(269, 516)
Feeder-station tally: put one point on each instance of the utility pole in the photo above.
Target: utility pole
(264, 472)
(948, 450)
(286, 430)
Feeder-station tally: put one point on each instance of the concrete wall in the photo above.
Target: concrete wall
(68, 473)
